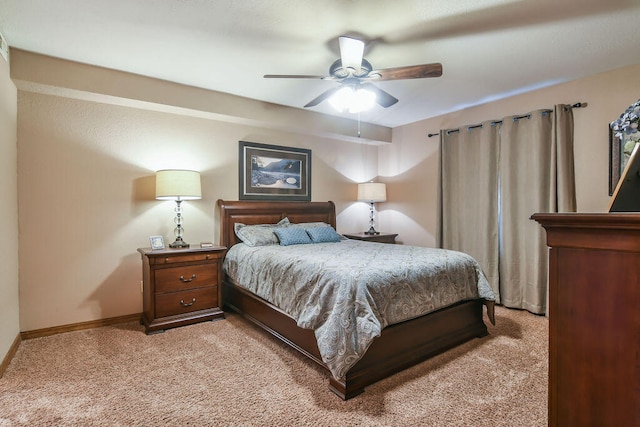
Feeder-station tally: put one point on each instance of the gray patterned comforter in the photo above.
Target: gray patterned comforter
(347, 292)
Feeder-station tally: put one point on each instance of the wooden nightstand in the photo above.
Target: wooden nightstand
(380, 238)
(181, 286)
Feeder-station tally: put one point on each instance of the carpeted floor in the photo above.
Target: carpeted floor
(227, 373)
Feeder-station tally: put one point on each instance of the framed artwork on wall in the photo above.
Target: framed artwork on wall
(620, 149)
(272, 172)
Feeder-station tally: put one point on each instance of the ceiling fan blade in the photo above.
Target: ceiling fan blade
(409, 72)
(324, 95)
(383, 98)
(291, 76)
(351, 52)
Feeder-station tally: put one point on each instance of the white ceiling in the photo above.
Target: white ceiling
(489, 49)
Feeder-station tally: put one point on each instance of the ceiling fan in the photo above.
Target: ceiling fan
(354, 73)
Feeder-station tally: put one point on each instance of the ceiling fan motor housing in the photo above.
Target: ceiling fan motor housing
(339, 72)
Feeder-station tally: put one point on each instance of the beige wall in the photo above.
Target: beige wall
(410, 164)
(86, 192)
(9, 321)
(88, 150)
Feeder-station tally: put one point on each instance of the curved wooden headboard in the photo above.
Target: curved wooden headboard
(265, 212)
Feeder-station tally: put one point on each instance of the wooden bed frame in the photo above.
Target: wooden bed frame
(400, 346)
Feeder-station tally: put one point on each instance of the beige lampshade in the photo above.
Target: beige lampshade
(173, 184)
(372, 192)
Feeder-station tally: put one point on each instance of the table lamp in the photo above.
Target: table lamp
(178, 185)
(372, 192)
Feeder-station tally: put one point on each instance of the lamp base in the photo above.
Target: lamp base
(179, 244)
(371, 231)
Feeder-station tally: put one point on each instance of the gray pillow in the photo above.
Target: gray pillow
(259, 234)
(306, 225)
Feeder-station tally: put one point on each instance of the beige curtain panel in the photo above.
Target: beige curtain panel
(493, 177)
(469, 196)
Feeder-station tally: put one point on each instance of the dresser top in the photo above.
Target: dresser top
(171, 251)
(588, 220)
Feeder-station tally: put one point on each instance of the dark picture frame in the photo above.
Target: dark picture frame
(625, 196)
(619, 152)
(272, 172)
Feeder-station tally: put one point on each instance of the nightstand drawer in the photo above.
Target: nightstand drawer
(175, 258)
(186, 301)
(186, 277)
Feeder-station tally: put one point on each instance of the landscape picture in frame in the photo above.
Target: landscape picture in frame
(272, 172)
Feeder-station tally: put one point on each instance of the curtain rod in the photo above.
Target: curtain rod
(495, 122)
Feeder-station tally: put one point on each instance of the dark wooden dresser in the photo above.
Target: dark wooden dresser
(594, 318)
(181, 286)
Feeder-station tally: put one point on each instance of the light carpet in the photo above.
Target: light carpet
(228, 372)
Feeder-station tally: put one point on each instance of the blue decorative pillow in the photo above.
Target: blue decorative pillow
(292, 236)
(259, 234)
(323, 234)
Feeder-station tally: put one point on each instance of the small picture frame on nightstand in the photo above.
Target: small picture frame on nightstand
(157, 242)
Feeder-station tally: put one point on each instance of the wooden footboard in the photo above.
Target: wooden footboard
(399, 346)
(405, 344)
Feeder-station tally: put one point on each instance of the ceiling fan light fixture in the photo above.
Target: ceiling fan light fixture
(342, 98)
(353, 100)
(364, 100)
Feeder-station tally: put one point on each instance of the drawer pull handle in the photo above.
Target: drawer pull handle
(189, 304)
(206, 256)
(193, 276)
